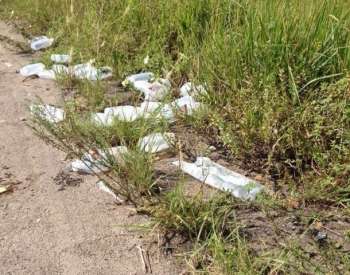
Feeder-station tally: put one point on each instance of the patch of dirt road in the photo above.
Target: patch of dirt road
(44, 230)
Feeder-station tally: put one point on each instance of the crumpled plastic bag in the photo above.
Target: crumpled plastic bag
(50, 113)
(124, 113)
(186, 104)
(41, 42)
(95, 162)
(156, 142)
(218, 176)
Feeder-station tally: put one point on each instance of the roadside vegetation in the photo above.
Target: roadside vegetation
(278, 107)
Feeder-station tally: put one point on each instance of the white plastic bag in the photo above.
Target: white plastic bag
(95, 163)
(157, 142)
(32, 69)
(47, 112)
(221, 178)
(41, 42)
(186, 104)
(153, 91)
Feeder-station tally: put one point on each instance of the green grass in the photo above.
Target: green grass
(278, 102)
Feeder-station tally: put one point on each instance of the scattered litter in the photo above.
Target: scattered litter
(41, 42)
(153, 91)
(95, 162)
(221, 178)
(47, 74)
(126, 113)
(186, 104)
(103, 187)
(145, 259)
(47, 112)
(146, 60)
(61, 58)
(156, 142)
(87, 71)
(130, 80)
(188, 89)
(32, 69)
(5, 189)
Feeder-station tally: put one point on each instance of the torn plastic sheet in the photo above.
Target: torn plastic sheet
(188, 89)
(61, 58)
(32, 69)
(221, 178)
(93, 163)
(87, 71)
(41, 42)
(50, 113)
(156, 142)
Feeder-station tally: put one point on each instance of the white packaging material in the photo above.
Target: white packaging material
(147, 77)
(125, 113)
(221, 178)
(87, 71)
(188, 89)
(103, 187)
(153, 91)
(156, 142)
(47, 74)
(41, 42)
(47, 112)
(95, 163)
(150, 106)
(32, 69)
(186, 104)
(61, 58)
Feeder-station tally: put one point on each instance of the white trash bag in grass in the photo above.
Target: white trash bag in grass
(156, 142)
(47, 112)
(95, 162)
(220, 177)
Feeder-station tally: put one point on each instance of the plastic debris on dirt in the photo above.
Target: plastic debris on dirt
(218, 176)
(95, 162)
(41, 42)
(156, 142)
(47, 112)
(32, 69)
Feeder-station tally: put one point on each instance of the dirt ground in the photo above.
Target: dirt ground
(78, 230)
